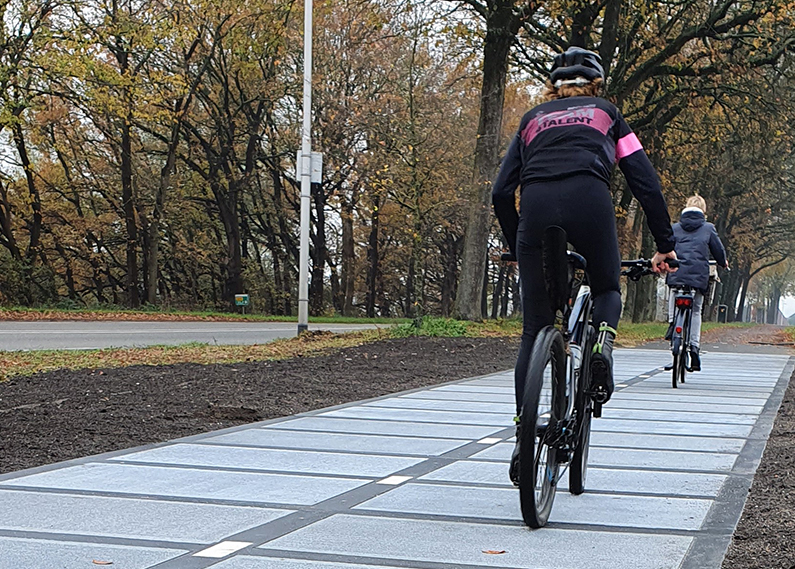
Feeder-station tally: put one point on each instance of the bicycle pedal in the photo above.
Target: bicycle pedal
(597, 410)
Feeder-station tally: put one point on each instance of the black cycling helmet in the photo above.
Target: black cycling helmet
(577, 62)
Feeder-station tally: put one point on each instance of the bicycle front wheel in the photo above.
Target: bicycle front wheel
(544, 404)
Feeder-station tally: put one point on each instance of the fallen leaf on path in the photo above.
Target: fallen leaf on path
(494, 551)
(97, 562)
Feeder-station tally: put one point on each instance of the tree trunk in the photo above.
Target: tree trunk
(131, 225)
(34, 227)
(153, 250)
(372, 259)
(348, 260)
(496, 299)
(484, 296)
(449, 253)
(501, 28)
(645, 289)
(772, 308)
(319, 250)
(729, 292)
(233, 266)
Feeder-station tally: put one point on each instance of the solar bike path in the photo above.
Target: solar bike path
(415, 480)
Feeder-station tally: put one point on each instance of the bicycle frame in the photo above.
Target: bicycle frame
(577, 324)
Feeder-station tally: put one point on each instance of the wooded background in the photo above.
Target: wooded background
(148, 148)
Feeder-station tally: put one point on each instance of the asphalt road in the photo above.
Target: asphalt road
(16, 336)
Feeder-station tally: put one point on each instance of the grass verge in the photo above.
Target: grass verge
(120, 314)
(306, 345)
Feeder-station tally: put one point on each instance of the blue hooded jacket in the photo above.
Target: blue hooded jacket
(695, 240)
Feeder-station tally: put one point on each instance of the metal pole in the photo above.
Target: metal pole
(306, 174)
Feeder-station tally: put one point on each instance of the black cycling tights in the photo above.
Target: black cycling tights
(583, 207)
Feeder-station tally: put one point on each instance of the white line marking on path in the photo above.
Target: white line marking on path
(222, 549)
(394, 480)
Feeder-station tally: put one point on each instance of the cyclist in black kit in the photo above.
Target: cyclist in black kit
(562, 157)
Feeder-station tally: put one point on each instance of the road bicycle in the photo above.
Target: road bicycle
(558, 404)
(684, 297)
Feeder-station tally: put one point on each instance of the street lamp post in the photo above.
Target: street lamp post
(305, 167)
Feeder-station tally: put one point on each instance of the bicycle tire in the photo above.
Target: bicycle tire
(683, 365)
(675, 343)
(537, 493)
(578, 470)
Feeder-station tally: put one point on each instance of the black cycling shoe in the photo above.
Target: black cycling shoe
(602, 365)
(695, 359)
(670, 332)
(669, 366)
(513, 470)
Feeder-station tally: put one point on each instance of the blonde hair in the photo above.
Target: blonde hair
(697, 201)
(591, 89)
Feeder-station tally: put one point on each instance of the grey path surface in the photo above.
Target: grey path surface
(415, 480)
(92, 335)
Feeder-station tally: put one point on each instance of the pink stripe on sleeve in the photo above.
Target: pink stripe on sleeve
(628, 144)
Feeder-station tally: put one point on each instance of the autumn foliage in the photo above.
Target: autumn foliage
(150, 146)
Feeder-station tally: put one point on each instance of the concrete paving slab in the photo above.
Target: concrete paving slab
(156, 520)
(48, 554)
(503, 504)
(190, 483)
(685, 406)
(662, 459)
(670, 398)
(408, 429)
(281, 460)
(641, 482)
(459, 396)
(466, 406)
(412, 415)
(454, 501)
(666, 442)
(273, 438)
(626, 457)
(678, 416)
(671, 428)
(464, 544)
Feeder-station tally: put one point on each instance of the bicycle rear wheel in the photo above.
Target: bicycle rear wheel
(583, 408)
(682, 365)
(675, 343)
(544, 403)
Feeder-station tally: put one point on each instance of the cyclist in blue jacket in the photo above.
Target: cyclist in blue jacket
(562, 157)
(695, 240)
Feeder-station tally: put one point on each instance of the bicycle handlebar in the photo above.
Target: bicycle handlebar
(646, 263)
(637, 268)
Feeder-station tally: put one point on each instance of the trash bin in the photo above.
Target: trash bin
(723, 311)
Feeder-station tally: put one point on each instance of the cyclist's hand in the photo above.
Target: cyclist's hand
(658, 264)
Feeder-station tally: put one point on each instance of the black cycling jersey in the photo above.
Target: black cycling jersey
(575, 136)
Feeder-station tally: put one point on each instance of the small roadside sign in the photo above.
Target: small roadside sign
(316, 167)
(241, 300)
